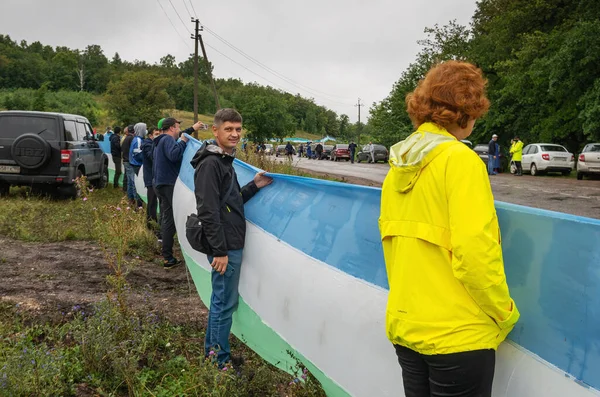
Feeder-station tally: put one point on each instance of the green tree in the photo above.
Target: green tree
(138, 96)
(389, 122)
(265, 117)
(96, 70)
(39, 101)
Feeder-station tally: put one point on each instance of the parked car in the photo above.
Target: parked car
(326, 150)
(268, 150)
(589, 161)
(482, 151)
(340, 151)
(547, 157)
(48, 151)
(381, 154)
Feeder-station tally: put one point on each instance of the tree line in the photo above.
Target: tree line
(34, 76)
(542, 62)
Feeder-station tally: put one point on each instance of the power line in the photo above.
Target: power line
(272, 71)
(187, 9)
(192, 4)
(251, 71)
(262, 77)
(172, 24)
(178, 16)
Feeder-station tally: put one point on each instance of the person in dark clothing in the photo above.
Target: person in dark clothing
(352, 150)
(289, 150)
(492, 154)
(319, 151)
(224, 226)
(147, 164)
(165, 170)
(129, 171)
(115, 151)
(301, 150)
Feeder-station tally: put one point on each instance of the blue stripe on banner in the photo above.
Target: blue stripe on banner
(552, 260)
(333, 222)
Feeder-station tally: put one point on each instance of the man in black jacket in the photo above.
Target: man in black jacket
(115, 151)
(148, 164)
(492, 155)
(224, 226)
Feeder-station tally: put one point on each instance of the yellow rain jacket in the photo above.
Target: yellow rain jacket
(516, 149)
(441, 243)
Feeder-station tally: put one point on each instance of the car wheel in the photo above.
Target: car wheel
(533, 170)
(4, 189)
(579, 176)
(102, 182)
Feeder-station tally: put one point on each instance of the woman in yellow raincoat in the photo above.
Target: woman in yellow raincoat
(449, 306)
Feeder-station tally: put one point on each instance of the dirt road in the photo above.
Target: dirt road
(52, 278)
(554, 193)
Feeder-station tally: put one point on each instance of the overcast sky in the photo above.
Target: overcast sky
(334, 51)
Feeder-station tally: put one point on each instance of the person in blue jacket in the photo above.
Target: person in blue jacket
(168, 153)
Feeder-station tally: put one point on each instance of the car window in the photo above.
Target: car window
(15, 126)
(593, 148)
(341, 146)
(88, 130)
(553, 148)
(81, 134)
(380, 147)
(70, 132)
(533, 150)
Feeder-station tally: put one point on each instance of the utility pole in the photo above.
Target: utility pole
(359, 105)
(209, 71)
(195, 38)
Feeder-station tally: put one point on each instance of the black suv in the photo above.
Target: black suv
(47, 151)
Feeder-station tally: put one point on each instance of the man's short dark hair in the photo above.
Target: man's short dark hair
(225, 115)
(117, 130)
(169, 122)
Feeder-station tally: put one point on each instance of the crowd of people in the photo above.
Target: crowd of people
(449, 305)
(160, 151)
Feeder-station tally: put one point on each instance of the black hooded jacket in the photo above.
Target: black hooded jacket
(225, 227)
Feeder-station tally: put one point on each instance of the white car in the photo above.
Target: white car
(547, 157)
(589, 160)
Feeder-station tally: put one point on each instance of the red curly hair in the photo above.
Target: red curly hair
(451, 92)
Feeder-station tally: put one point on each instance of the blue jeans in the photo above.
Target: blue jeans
(491, 163)
(130, 175)
(223, 302)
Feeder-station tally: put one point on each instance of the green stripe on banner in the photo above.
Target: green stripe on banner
(250, 329)
(111, 177)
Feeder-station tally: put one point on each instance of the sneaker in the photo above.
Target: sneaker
(171, 263)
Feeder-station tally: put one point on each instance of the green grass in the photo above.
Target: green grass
(108, 348)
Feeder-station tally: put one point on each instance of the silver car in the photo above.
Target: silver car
(589, 161)
(547, 157)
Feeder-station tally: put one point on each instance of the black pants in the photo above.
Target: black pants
(352, 157)
(519, 168)
(167, 224)
(117, 161)
(468, 374)
(152, 206)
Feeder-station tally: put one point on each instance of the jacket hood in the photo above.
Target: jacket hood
(140, 130)
(209, 148)
(409, 157)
